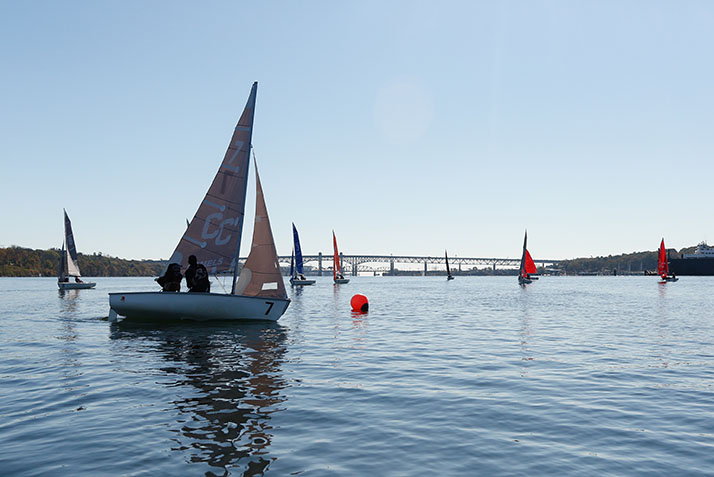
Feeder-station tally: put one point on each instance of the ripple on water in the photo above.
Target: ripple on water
(586, 376)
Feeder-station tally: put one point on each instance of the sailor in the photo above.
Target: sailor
(197, 276)
(171, 280)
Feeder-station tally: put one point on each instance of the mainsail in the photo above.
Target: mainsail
(213, 235)
(662, 266)
(69, 250)
(446, 258)
(260, 275)
(522, 268)
(336, 266)
(298, 252)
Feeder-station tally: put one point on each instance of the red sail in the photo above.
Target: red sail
(530, 265)
(662, 267)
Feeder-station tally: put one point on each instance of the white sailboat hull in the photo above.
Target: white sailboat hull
(297, 282)
(75, 286)
(170, 306)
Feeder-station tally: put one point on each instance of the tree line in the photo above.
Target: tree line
(26, 262)
(635, 262)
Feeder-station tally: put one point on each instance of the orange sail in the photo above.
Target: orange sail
(662, 266)
(336, 267)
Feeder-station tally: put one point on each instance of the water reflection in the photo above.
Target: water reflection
(525, 334)
(235, 375)
(69, 301)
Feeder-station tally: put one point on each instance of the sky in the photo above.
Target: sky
(407, 127)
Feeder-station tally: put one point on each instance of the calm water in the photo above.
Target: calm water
(569, 376)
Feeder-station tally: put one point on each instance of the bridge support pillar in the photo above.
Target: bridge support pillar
(494, 266)
(425, 268)
(354, 269)
(391, 267)
(319, 264)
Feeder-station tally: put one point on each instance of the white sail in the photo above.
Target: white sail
(213, 235)
(72, 269)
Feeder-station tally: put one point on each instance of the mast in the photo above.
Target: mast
(523, 256)
(253, 94)
(335, 258)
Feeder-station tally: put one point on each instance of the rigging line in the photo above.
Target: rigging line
(221, 284)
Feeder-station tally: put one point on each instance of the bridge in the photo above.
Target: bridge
(388, 263)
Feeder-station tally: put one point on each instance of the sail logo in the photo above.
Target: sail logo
(218, 229)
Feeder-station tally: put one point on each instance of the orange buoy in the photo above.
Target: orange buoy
(359, 303)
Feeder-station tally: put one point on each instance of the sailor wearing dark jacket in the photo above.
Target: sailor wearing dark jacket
(197, 276)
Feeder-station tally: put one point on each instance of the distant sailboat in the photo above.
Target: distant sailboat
(337, 275)
(68, 262)
(527, 267)
(214, 236)
(663, 265)
(296, 273)
(449, 276)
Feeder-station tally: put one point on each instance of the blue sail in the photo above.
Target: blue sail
(298, 252)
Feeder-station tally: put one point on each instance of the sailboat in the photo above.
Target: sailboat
(527, 267)
(449, 276)
(68, 266)
(214, 236)
(337, 275)
(296, 268)
(663, 265)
